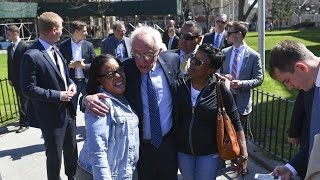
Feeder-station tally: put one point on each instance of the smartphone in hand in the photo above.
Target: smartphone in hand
(266, 177)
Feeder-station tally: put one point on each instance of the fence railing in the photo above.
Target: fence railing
(8, 102)
(269, 122)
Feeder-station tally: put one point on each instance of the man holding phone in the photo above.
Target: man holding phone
(79, 54)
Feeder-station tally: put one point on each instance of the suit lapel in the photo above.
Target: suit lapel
(228, 58)
(16, 50)
(244, 62)
(166, 69)
(48, 58)
(69, 51)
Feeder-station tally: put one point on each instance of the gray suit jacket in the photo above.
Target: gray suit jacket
(251, 75)
(108, 46)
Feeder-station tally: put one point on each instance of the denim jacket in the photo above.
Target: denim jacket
(111, 148)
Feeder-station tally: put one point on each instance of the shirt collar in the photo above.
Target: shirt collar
(241, 48)
(220, 33)
(16, 42)
(318, 79)
(46, 45)
(193, 52)
(74, 43)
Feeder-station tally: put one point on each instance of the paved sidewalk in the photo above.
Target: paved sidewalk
(22, 156)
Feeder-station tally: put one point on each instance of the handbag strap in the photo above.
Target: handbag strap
(219, 96)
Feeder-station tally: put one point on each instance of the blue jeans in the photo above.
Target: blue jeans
(198, 167)
(81, 88)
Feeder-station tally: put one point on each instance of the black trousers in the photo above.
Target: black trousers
(158, 164)
(22, 105)
(60, 140)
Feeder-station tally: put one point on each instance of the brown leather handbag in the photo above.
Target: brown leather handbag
(227, 143)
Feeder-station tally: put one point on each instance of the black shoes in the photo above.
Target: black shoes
(22, 129)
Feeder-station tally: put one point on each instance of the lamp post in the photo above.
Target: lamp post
(232, 10)
(103, 26)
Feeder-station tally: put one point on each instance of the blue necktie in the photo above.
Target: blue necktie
(156, 134)
(315, 117)
(216, 41)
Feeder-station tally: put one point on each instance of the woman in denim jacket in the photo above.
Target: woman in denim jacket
(111, 148)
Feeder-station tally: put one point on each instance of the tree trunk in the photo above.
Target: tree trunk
(207, 22)
(241, 15)
(241, 10)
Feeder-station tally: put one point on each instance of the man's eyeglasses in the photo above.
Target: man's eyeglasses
(188, 37)
(146, 57)
(110, 75)
(197, 62)
(231, 32)
(121, 31)
(222, 22)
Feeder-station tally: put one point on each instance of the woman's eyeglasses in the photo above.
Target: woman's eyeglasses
(197, 62)
(111, 74)
(188, 37)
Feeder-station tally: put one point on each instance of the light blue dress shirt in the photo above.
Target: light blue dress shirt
(161, 85)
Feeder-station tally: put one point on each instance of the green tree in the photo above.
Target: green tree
(281, 11)
(241, 15)
(208, 7)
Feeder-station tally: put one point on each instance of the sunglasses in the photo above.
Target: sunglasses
(197, 62)
(188, 37)
(231, 32)
(222, 22)
(111, 74)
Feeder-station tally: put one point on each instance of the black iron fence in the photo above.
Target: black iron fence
(269, 122)
(8, 102)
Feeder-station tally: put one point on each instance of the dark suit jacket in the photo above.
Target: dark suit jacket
(301, 116)
(41, 82)
(108, 46)
(14, 63)
(87, 51)
(170, 64)
(300, 160)
(209, 38)
(175, 42)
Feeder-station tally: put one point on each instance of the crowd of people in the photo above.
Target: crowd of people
(150, 100)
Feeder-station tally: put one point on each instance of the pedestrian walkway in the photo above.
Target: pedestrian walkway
(22, 156)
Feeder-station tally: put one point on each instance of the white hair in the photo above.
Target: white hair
(148, 31)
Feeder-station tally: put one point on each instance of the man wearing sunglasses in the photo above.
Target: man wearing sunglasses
(243, 67)
(189, 40)
(218, 38)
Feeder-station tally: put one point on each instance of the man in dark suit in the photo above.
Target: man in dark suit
(165, 35)
(158, 156)
(173, 41)
(79, 54)
(298, 68)
(45, 81)
(15, 52)
(218, 38)
(117, 45)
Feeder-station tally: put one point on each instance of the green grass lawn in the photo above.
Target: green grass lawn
(309, 37)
